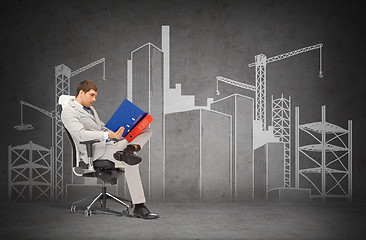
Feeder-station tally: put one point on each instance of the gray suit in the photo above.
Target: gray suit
(85, 126)
(82, 127)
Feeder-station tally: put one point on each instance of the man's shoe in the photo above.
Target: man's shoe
(144, 213)
(127, 156)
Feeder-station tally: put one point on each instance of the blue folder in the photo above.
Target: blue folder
(126, 115)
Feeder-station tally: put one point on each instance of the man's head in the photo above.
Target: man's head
(86, 91)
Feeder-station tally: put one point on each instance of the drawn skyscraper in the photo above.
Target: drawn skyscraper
(241, 109)
(145, 89)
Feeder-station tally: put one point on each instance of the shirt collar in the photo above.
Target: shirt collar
(77, 103)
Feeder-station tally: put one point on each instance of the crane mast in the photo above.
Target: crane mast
(260, 65)
(62, 87)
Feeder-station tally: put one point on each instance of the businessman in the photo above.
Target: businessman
(82, 121)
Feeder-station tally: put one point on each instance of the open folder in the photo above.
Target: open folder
(131, 117)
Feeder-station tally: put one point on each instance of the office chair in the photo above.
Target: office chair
(103, 169)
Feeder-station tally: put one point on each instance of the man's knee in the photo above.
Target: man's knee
(148, 131)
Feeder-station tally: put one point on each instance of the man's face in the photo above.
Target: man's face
(87, 98)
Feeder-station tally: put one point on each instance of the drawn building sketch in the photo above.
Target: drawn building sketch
(222, 150)
(198, 153)
(146, 88)
(268, 169)
(324, 164)
(241, 108)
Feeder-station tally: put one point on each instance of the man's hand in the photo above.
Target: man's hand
(117, 134)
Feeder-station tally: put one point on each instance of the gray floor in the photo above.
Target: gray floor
(51, 220)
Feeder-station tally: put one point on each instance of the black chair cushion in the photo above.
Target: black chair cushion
(104, 169)
(103, 163)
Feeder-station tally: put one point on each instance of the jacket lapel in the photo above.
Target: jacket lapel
(78, 108)
(83, 112)
(96, 117)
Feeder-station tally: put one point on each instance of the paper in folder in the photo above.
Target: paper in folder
(131, 117)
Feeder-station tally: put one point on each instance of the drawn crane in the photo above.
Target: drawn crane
(62, 78)
(23, 126)
(62, 87)
(260, 65)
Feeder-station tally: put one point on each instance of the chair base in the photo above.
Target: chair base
(102, 199)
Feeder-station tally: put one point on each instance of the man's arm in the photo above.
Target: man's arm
(103, 127)
(76, 128)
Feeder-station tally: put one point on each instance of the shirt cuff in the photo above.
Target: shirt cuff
(106, 136)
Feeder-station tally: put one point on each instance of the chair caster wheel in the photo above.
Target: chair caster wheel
(87, 213)
(74, 208)
(125, 212)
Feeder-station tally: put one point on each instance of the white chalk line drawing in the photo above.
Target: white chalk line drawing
(62, 87)
(30, 172)
(334, 166)
(281, 123)
(173, 101)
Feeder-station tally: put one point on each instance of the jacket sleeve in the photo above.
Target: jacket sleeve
(103, 127)
(72, 122)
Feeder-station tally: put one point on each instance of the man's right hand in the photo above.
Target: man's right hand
(117, 134)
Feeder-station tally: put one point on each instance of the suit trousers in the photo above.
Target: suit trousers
(132, 173)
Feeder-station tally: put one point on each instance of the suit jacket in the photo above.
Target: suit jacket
(82, 127)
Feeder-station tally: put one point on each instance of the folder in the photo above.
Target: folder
(140, 126)
(129, 116)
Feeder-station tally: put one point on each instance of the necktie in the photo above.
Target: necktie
(87, 110)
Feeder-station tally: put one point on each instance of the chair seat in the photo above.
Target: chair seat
(103, 163)
(105, 170)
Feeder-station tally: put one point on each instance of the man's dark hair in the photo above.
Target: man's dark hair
(86, 86)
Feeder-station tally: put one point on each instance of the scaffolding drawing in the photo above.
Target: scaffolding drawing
(62, 87)
(30, 172)
(326, 165)
(281, 122)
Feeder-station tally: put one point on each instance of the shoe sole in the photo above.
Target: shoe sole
(129, 159)
(137, 216)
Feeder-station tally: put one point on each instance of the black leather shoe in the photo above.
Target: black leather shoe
(127, 156)
(144, 213)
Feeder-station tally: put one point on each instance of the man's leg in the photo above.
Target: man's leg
(142, 138)
(134, 184)
(127, 154)
(132, 172)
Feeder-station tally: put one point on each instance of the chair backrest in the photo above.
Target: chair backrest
(108, 174)
(62, 102)
(64, 99)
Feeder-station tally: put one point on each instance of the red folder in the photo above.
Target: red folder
(139, 128)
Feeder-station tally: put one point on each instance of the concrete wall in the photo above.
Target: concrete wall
(208, 38)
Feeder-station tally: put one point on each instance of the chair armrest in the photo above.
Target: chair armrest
(89, 145)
